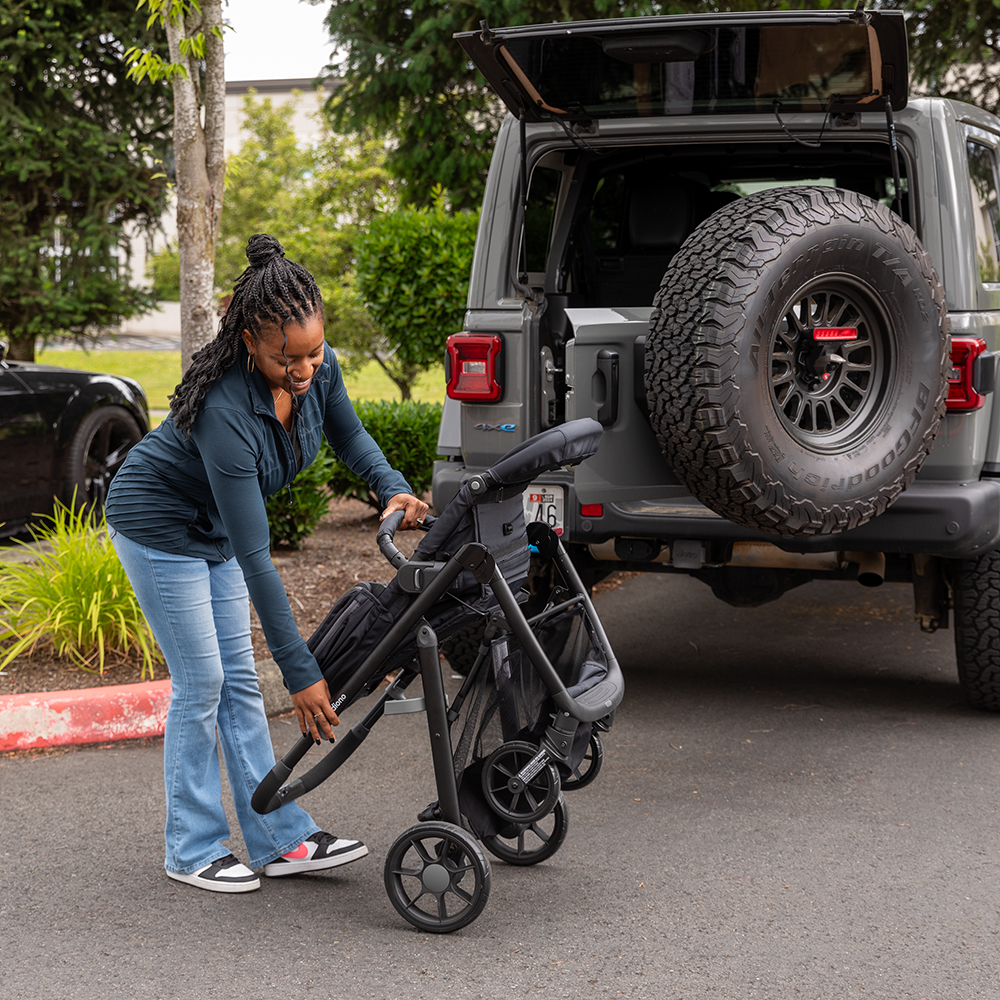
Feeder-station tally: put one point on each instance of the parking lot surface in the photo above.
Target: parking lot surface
(795, 803)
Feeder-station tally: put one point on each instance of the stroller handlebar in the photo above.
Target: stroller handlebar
(387, 532)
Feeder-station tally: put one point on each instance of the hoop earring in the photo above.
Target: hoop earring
(250, 364)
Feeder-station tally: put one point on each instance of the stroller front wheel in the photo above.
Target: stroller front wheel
(437, 877)
(530, 843)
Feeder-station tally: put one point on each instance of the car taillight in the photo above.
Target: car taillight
(473, 367)
(963, 392)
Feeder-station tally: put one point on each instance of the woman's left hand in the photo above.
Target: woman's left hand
(415, 509)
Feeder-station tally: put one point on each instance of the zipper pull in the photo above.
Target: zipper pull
(288, 487)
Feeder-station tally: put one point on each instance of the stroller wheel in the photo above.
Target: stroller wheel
(437, 877)
(529, 843)
(511, 797)
(588, 768)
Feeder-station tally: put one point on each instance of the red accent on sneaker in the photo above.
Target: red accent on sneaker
(300, 852)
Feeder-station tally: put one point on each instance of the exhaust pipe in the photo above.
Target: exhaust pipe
(871, 567)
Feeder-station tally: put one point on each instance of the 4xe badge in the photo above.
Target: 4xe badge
(495, 427)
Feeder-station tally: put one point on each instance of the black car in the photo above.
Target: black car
(62, 432)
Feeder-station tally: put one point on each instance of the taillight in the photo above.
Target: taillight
(473, 367)
(835, 333)
(963, 393)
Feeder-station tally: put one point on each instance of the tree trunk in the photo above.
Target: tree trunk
(402, 378)
(22, 348)
(200, 165)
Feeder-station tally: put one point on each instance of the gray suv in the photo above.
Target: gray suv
(773, 277)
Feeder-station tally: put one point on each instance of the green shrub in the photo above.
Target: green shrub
(412, 275)
(163, 269)
(293, 514)
(407, 434)
(74, 598)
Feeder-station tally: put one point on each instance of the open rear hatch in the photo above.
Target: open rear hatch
(827, 61)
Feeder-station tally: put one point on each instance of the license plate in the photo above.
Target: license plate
(546, 504)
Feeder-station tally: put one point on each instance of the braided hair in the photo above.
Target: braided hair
(271, 292)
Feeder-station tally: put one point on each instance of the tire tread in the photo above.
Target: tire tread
(691, 358)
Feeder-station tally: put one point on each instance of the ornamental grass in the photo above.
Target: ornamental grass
(73, 598)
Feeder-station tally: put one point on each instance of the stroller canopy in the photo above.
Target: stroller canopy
(566, 444)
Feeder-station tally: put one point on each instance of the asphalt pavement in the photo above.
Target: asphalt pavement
(795, 803)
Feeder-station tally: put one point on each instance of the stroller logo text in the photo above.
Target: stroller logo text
(495, 427)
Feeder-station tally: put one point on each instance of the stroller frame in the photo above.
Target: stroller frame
(438, 855)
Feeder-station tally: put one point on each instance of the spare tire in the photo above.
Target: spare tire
(797, 358)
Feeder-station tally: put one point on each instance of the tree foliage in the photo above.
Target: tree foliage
(267, 186)
(316, 199)
(955, 48)
(413, 276)
(77, 150)
(405, 75)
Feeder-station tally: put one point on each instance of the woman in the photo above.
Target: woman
(246, 417)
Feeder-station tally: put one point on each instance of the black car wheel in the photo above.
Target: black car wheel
(96, 453)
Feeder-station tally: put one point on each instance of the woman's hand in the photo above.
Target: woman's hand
(415, 509)
(314, 711)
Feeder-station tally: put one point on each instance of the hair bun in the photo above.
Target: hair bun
(262, 249)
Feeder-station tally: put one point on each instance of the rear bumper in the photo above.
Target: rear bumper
(952, 520)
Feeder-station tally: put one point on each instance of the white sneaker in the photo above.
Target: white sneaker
(225, 875)
(321, 850)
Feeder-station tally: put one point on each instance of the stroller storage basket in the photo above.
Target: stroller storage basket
(510, 703)
(534, 700)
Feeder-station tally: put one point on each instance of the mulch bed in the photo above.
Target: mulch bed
(330, 562)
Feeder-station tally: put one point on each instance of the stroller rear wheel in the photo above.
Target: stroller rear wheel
(511, 797)
(588, 768)
(437, 877)
(529, 843)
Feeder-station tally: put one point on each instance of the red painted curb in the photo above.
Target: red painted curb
(85, 715)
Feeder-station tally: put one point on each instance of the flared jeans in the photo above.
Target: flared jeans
(199, 612)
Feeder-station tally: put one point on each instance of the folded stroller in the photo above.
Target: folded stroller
(525, 724)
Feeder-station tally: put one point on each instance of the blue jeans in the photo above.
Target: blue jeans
(199, 612)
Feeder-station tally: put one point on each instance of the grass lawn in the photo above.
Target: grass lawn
(158, 372)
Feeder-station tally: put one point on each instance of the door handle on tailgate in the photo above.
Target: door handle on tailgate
(607, 365)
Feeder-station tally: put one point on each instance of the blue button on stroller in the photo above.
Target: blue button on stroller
(525, 724)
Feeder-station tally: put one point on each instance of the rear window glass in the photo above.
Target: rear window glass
(690, 70)
(543, 193)
(986, 214)
(606, 214)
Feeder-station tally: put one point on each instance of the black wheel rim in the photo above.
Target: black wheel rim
(588, 768)
(514, 800)
(530, 843)
(832, 413)
(106, 451)
(437, 878)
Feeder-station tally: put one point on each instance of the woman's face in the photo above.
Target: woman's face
(288, 362)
